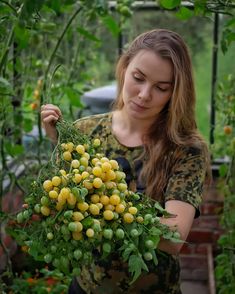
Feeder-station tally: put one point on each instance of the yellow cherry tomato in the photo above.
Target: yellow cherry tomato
(83, 206)
(56, 181)
(80, 149)
(47, 185)
(67, 155)
(128, 218)
(133, 210)
(108, 215)
(97, 183)
(114, 199)
(53, 194)
(75, 163)
(94, 209)
(90, 233)
(78, 216)
(45, 210)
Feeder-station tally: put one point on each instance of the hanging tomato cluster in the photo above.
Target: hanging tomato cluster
(80, 210)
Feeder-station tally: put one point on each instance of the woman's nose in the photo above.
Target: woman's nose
(145, 92)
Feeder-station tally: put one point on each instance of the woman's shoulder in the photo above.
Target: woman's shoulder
(88, 123)
(191, 158)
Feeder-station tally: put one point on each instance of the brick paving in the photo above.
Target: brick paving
(194, 287)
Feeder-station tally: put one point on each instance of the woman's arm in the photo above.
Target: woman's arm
(184, 216)
(49, 115)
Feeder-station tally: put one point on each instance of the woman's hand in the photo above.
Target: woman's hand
(49, 116)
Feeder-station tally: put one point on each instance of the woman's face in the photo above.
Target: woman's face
(148, 85)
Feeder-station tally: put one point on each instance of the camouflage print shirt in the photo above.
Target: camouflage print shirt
(185, 184)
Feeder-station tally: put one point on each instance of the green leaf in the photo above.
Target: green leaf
(27, 125)
(111, 24)
(155, 231)
(87, 34)
(128, 248)
(87, 222)
(230, 22)
(22, 36)
(14, 150)
(5, 87)
(135, 266)
(184, 13)
(74, 97)
(223, 169)
(170, 4)
(155, 260)
(159, 207)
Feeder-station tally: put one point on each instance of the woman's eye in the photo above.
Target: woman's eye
(161, 89)
(138, 78)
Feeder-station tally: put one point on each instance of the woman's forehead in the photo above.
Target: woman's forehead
(152, 65)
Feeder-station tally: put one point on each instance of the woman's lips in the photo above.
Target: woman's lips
(138, 106)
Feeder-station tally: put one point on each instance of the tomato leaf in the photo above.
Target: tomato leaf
(136, 264)
(184, 13)
(87, 222)
(87, 34)
(155, 260)
(170, 4)
(111, 24)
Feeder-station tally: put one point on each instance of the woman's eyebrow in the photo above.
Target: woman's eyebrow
(159, 82)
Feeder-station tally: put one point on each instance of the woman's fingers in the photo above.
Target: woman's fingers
(49, 115)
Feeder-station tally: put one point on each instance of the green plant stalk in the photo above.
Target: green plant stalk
(6, 51)
(10, 38)
(55, 50)
(6, 251)
(9, 5)
(48, 69)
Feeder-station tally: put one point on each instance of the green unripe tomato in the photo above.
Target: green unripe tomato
(108, 234)
(26, 214)
(77, 254)
(148, 256)
(76, 271)
(20, 217)
(97, 227)
(37, 208)
(176, 235)
(45, 201)
(149, 244)
(53, 248)
(120, 234)
(47, 258)
(148, 217)
(68, 214)
(134, 233)
(56, 262)
(72, 226)
(50, 236)
(106, 247)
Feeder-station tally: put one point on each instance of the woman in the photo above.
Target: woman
(152, 133)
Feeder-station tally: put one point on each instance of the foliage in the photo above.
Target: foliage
(43, 281)
(225, 147)
(206, 8)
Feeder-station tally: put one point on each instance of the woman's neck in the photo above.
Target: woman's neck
(129, 132)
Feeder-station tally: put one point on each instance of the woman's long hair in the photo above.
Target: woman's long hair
(175, 127)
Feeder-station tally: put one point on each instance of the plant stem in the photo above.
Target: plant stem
(57, 46)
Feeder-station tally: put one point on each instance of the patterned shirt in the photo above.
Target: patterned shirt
(185, 184)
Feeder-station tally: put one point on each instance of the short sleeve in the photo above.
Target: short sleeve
(187, 180)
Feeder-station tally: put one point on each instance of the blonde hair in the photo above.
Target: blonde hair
(175, 127)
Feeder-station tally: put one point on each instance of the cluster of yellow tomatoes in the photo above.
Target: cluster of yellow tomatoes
(92, 185)
(86, 206)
